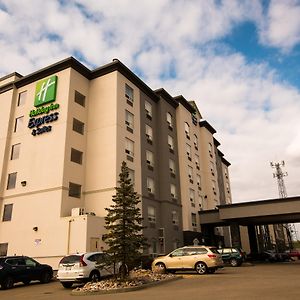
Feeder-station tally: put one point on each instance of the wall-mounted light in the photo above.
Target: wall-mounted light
(23, 183)
(35, 228)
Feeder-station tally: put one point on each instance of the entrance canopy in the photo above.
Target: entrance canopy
(273, 211)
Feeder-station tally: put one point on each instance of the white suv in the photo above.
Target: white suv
(83, 267)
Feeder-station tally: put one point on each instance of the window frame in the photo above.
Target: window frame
(19, 121)
(75, 195)
(22, 98)
(9, 178)
(15, 151)
(78, 125)
(81, 99)
(7, 212)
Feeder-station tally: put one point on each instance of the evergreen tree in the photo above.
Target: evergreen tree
(124, 224)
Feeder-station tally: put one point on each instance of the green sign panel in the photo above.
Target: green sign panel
(45, 91)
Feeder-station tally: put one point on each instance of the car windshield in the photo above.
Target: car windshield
(70, 259)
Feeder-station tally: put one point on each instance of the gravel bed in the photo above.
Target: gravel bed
(136, 278)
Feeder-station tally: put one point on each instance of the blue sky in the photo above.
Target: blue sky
(239, 60)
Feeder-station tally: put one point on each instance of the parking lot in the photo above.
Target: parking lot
(259, 281)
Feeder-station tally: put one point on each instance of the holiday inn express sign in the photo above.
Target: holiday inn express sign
(45, 93)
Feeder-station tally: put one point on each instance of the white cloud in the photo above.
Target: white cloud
(281, 28)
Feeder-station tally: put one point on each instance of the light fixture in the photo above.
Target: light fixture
(23, 183)
(35, 228)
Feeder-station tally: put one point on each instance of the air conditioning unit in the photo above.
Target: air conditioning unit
(77, 211)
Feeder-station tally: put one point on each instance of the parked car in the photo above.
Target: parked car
(22, 269)
(294, 254)
(78, 268)
(202, 259)
(273, 256)
(234, 256)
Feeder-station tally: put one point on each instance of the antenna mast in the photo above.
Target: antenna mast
(291, 229)
(279, 175)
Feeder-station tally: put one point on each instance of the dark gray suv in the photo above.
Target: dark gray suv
(22, 269)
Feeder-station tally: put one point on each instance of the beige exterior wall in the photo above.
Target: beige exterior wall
(186, 183)
(101, 146)
(208, 170)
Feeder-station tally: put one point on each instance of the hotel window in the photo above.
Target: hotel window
(76, 156)
(197, 161)
(175, 218)
(190, 173)
(227, 187)
(131, 175)
(187, 130)
(74, 190)
(153, 247)
(129, 94)
(189, 152)
(214, 187)
(169, 120)
(196, 141)
(150, 185)
(194, 220)
(172, 166)
(129, 120)
(210, 150)
(148, 108)
(22, 98)
(15, 151)
(212, 168)
(171, 143)
(198, 181)
(151, 214)
(149, 158)
(18, 124)
(149, 134)
(7, 212)
(11, 182)
(3, 249)
(226, 174)
(129, 147)
(79, 99)
(192, 197)
(78, 126)
(173, 190)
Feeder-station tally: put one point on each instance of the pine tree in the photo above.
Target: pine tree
(124, 224)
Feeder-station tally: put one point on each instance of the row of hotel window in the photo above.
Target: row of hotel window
(78, 98)
(175, 217)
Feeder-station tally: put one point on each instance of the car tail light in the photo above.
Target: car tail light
(82, 262)
(1, 267)
(212, 255)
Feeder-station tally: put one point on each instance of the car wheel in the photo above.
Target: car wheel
(7, 283)
(67, 285)
(26, 282)
(234, 262)
(161, 268)
(201, 268)
(94, 276)
(46, 277)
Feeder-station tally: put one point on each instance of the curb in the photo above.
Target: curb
(124, 290)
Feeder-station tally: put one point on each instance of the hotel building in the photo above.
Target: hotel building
(64, 132)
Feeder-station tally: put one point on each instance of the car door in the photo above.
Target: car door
(16, 268)
(174, 259)
(32, 269)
